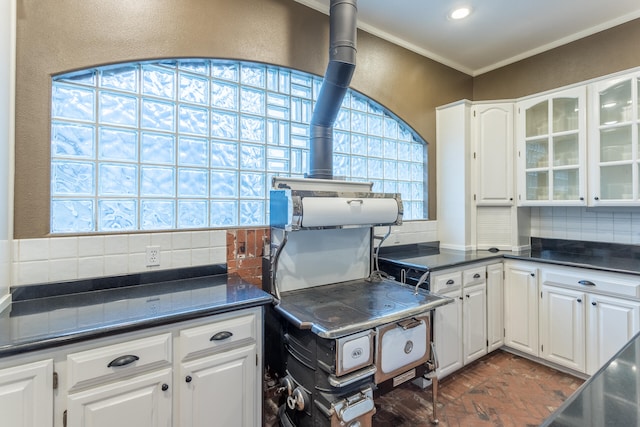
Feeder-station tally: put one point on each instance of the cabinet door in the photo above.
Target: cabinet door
(552, 149)
(521, 308)
(612, 323)
(141, 401)
(495, 306)
(475, 322)
(613, 142)
(26, 395)
(221, 390)
(447, 335)
(562, 327)
(493, 153)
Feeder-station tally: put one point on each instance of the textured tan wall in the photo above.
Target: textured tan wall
(59, 36)
(603, 53)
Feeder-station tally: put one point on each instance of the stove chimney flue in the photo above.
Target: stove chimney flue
(342, 63)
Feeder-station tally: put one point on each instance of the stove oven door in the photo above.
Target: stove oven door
(400, 347)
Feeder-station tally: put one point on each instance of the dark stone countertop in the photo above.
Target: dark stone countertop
(609, 398)
(611, 257)
(51, 315)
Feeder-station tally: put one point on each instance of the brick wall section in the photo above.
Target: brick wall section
(245, 248)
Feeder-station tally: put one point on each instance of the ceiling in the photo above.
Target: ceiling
(497, 33)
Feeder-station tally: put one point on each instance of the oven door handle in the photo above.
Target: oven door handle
(409, 323)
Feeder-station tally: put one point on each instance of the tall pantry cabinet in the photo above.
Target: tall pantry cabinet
(475, 176)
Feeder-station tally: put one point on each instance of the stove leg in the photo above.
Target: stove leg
(434, 396)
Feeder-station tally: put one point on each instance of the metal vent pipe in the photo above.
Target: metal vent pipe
(342, 63)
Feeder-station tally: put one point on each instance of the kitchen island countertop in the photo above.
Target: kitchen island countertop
(41, 317)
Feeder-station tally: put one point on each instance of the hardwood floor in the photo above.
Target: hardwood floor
(500, 389)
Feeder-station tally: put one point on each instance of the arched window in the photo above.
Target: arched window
(193, 143)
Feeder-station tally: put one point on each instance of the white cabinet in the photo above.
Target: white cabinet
(220, 390)
(220, 373)
(493, 153)
(552, 145)
(586, 316)
(475, 177)
(460, 328)
(613, 141)
(474, 313)
(495, 306)
(128, 384)
(521, 307)
(447, 323)
(562, 327)
(612, 323)
(26, 395)
(140, 401)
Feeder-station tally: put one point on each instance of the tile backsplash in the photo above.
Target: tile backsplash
(68, 258)
(57, 259)
(615, 225)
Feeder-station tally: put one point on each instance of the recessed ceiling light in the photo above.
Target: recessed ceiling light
(460, 13)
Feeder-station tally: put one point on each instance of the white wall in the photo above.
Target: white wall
(616, 225)
(7, 96)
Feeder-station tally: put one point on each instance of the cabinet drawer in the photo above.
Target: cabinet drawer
(474, 276)
(118, 360)
(218, 335)
(593, 281)
(447, 282)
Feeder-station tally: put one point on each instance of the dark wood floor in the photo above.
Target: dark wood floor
(500, 389)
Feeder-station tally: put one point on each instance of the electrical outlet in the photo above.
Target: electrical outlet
(153, 256)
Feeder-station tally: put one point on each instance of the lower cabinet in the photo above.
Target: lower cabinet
(495, 306)
(521, 307)
(460, 328)
(26, 395)
(201, 373)
(203, 399)
(612, 322)
(562, 327)
(141, 401)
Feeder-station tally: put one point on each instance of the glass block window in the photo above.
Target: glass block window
(194, 143)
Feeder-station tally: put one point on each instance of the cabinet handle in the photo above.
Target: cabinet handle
(593, 303)
(596, 198)
(581, 199)
(579, 300)
(123, 360)
(586, 283)
(476, 276)
(165, 387)
(460, 298)
(467, 295)
(221, 336)
(450, 282)
(188, 378)
(511, 199)
(533, 274)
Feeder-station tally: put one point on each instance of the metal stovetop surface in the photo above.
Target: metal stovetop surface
(340, 309)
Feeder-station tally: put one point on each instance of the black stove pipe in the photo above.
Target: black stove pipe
(342, 63)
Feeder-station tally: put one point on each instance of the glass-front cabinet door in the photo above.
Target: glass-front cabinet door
(552, 149)
(613, 141)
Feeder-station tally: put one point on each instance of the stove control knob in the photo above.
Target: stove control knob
(297, 400)
(286, 385)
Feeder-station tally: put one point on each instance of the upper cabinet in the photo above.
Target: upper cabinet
(613, 141)
(492, 136)
(551, 149)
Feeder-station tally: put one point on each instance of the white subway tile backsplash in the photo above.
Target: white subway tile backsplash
(34, 250)
(90, 267)
(138, 243)
(181, 240)
(218, 255)
(199, 239)
(63, 269)
(200, 256)
(33, 272)
(115, 265)
(181, 258)
(116, 245)
(161, 239)
(63, 247)
(90, 245)
(218, 238)
(137, 262)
